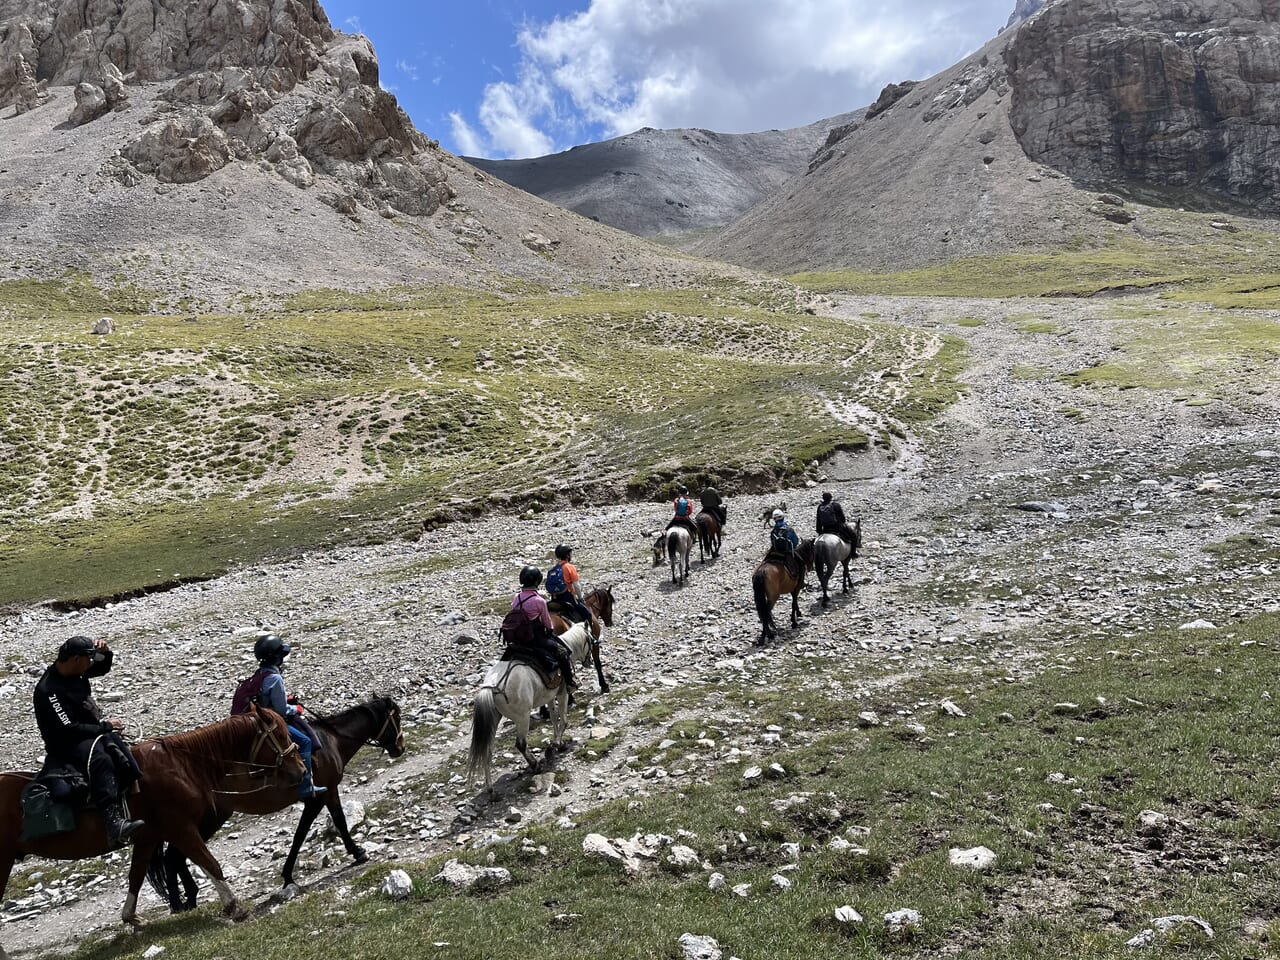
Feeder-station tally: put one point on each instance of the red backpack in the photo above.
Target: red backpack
(247, 692)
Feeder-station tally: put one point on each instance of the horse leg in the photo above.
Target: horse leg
(562, 719)
(595, 656)
(139, 863)
(179, 873)
(795, 607)
(310, 810)
(197, 852)
(848, 580)
(522, 739)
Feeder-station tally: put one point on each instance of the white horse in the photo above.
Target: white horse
(828, 550)
(675, 545)
(513, 690)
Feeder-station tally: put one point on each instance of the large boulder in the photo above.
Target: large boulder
(182, 149)
(91, 103)
(1176, 93)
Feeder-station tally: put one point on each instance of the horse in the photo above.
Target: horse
(600, 602)
(767, 515)
(181, 778)
(709, 538)
(513, 689)
(376, 723)
(770, 580)
(675, 544)
(828, 550)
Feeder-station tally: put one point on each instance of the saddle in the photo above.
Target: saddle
(788, 560)
(686, 522)
(540, 660)
(569, 611)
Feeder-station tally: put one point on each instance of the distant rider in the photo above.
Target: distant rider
(713, 503)
(784, 540)
(682, 508)
(76, 736)
(531, 602)
(270, 652)
(831, 519)
(564, 585)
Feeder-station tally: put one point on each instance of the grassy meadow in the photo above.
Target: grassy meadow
(184, 443)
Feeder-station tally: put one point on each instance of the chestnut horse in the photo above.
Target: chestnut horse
(709, 539)
(771, 580)
(376, 723)
(181, 778)
(600, 602)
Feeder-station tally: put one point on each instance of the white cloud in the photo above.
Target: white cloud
(727, 65)
(354, 24)
(469, 142)
(408, 69)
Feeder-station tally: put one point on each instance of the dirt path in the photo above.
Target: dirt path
(951, 570)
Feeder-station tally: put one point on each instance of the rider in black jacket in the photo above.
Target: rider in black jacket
(75, 734)
(831, 519)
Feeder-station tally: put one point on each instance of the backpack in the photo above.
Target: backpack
(683, 508)
(247, 692)
(555, 580)
(517, 628)
(826, 515)
(779, 540)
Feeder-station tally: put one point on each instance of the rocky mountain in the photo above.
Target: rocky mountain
(1169, 94)
(1170, 101)
(249, 143)
(662, 182)
(1023, 12)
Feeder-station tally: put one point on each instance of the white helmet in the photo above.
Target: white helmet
(778, 515)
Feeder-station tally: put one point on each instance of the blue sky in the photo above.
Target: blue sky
(523, 78)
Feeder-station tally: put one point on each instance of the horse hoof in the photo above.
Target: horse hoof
(135, 924)
(604, 688)
(360, 856)
(237, 912)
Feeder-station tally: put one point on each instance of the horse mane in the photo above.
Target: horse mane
(332, 720)
(213, 737)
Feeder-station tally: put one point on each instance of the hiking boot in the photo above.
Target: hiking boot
(307, 789)
(119, 830)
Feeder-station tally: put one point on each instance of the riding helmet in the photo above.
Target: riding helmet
(563, 552)
(683, 489)
(270, 649)
(826, 496)
(530, 577)
(779, 515)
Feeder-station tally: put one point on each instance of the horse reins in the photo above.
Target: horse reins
(281, 755)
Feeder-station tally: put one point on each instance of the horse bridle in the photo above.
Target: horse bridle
(376, 739)
(264, 770)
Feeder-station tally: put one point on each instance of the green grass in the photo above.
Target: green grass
(1073, 876)
(1241, 269)
(183, 444)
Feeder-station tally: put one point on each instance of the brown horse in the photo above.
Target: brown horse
(376, 723)
(600, 602)
(709, 538)
(771, 580)
(181, 778)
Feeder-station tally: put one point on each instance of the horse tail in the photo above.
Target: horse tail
(157, 876)
(760, 592)
(484, 726)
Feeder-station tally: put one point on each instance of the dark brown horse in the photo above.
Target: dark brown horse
(708, 525)
(771, 580)
(600, 602)
(181, 777)
(376, 723)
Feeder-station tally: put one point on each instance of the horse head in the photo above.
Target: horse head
(806, 553)
(391, 735)
(273, 749)
(604, 596)
(857, 536)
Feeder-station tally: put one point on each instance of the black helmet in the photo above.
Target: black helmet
(270, 649)
(826, 496)
(530, 577)
(563, 551)
(683, 489)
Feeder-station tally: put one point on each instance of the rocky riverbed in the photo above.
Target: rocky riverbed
(1034, 511)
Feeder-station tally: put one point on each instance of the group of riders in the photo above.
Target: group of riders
(88, 759)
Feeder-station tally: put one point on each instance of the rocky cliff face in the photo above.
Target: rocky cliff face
(1174, 93)
(264, 81)
(1024, 11)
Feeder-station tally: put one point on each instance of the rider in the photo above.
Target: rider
(531, 602)
(270, 652)
(831, 519)
(565, 586)
(785, 540)
(712, 502)
(75, 734)
(683, 509)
